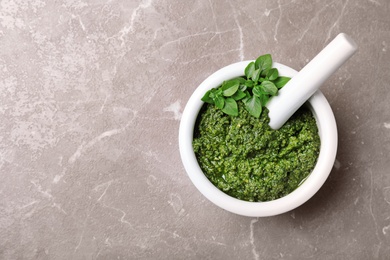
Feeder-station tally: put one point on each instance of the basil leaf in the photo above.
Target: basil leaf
(272, 74)
(249, 83)
(230, 87)
(229, 83)
(242, 87)
(241, 80)
(269, 88)
(264, 99)
(263, 62)
(230, 91)
(253, 105)
(249, 69)
(206, 98)
(247, 96)
(230, 107)
(239, 95)
(281, 81)
(257, 91)
(256, 75)
(264, 72)
(219, 102)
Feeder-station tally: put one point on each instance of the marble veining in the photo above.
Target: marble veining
(91, 98)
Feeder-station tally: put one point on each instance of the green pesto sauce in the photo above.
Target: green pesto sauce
(246, 159)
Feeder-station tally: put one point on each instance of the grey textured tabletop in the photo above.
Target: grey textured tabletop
(91, 97)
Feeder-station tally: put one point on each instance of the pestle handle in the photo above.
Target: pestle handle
(303, 85)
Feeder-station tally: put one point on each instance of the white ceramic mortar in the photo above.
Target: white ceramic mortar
(327, 130)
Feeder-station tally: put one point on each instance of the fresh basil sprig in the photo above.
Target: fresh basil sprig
(260, 83)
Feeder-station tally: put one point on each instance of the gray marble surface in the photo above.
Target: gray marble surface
(91, 96)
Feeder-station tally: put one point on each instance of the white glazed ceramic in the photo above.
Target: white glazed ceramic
(309, 79)
(327, 130)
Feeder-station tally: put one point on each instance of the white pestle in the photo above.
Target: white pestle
(306, 82)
